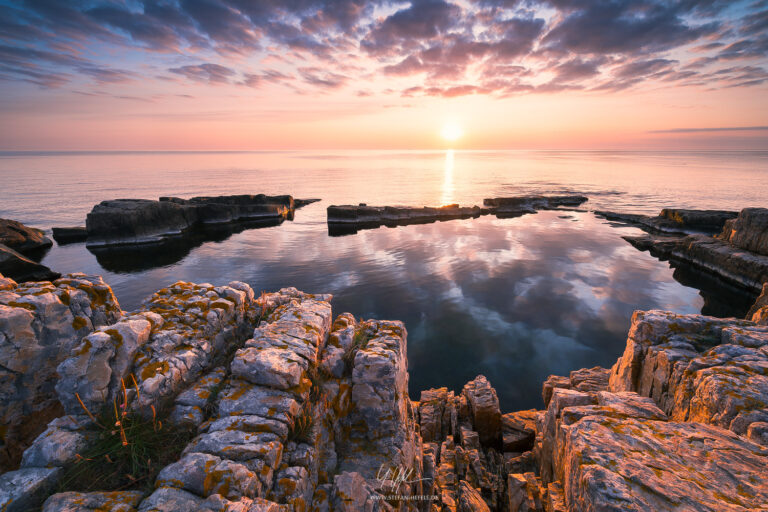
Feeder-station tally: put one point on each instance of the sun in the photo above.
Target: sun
(451, 132)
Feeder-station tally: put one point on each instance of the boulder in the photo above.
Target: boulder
(21, 238)
(20, 268)
(749, 231)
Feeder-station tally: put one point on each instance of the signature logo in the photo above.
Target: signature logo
(394, 478)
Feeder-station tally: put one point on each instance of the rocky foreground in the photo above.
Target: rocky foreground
(292, 409)
(735, 250)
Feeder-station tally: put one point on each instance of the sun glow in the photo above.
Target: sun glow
(451, 132)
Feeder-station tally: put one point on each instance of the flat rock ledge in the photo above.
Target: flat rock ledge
(738, 254)
(296, 410)
(348, 219)
(675, 220)
(144, 221)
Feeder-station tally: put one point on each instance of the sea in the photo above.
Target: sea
(513, 299)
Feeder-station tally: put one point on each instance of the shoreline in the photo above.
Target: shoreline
(362, 422)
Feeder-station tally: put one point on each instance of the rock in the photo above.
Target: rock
(520, 205)
(60, 443)
(170, 499)
(758, 313)
(25, 489)
(189, 405)
(675, 220)
(380, 422)
(697, 368)
(658, 465)
(590, 380)
(438, 414)
(552, 382)
(20, 268)
(348, 219)
(204, 475)
(40, 325)
(484, 405)
(518, 430)
(125, 501)
(100, 362)
(70, 235)
(749, 231)
(293, 487)
(470, 499)
(21, 238)
(143, 221)
(300, 203)
(351, 493)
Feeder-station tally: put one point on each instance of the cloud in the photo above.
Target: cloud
(430, 47)
(713, 130)
(206, 73)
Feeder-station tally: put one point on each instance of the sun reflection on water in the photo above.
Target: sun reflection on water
(448, 186)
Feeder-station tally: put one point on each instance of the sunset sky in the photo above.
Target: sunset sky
(271, 74)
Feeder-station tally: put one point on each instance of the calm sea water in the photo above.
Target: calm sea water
(514, 299)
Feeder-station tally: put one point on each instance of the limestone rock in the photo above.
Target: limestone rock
(552, 382)
(59, 444)
(21, 238)
(518, 431)
(697, 368)
(40, 325)
(758, 313)
(484, 405)
(70, 234)
(748, 231)
(141, 221)
(351, 493)
(657, 465)
(381, 421)
(25, 489)
(170, 499)
(22, 268)
(96, 366)
(590, 379)
(470, 499)
(204, 475)
(125, 501)
(520, 205)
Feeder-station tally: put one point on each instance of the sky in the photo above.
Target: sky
(348, 74)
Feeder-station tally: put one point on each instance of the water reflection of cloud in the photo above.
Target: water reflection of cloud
(514, 299)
